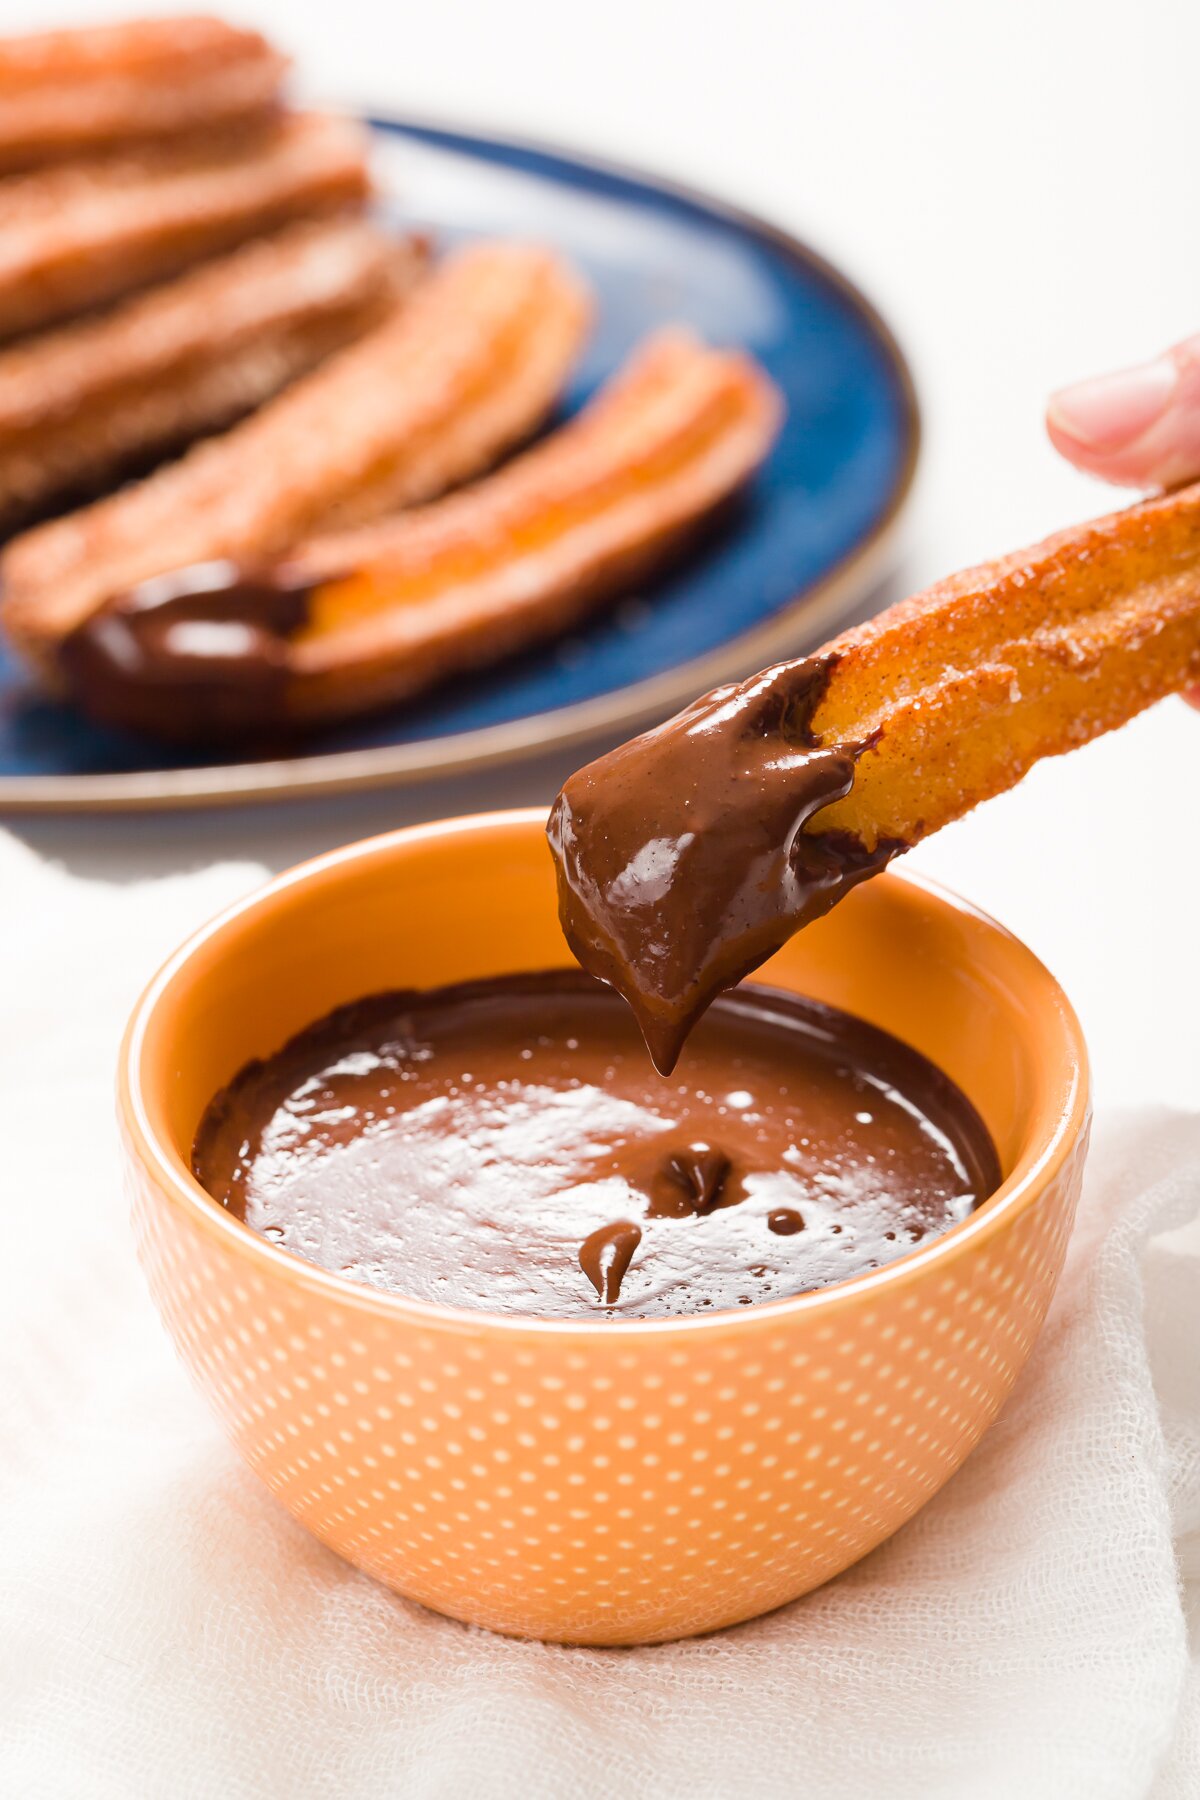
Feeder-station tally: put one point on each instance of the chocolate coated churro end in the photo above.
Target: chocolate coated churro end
(689, 855)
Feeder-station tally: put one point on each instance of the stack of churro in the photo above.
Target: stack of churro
(68, 93)
(179, 261)
(175, 248)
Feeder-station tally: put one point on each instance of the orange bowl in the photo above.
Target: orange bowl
(599, 1482)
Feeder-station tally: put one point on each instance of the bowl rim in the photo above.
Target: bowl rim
(173, 1178)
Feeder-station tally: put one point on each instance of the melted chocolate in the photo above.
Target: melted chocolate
(506, 1145)
(683, 858)
(202, 651)
(698, 1172)
(605, 1255)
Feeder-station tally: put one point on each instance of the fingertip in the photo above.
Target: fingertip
(1138, 428)
(1110, 412)
(1066, 443)
(1102, 423)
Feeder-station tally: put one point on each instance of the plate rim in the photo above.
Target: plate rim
(629, 708)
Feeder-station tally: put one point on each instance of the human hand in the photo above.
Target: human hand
(1139, 427)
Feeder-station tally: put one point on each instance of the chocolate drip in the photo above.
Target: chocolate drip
(785, 1221)
(605, 1255)
(201, 651)
(683, 859)
(699, 1170)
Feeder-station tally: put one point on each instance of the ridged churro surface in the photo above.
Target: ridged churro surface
(81, 405)
(355, 620)
(65, 93)
(466, 368)
(528, 551)
(76, 236)
(965, 687)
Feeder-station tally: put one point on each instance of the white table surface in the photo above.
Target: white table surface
(1016, 185)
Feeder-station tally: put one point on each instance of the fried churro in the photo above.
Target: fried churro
(467, 368)
(353, 621)
(79, 235)
(65, 93)
(688, 856)
(600, 503)
(87, 403)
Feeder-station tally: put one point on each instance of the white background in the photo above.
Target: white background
(1017, 185)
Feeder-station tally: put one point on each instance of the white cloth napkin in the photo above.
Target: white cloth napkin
(167, 1631)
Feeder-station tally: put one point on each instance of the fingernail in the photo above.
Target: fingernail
(1110, 411)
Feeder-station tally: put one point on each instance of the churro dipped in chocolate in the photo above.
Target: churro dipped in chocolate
(65, 93)
(688, 856)
(465, 369)
(79, 235)
(355, 620)
(92, 401)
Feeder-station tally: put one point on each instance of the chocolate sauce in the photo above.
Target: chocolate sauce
(506, 1145)
(698, 1173)
(199, 652)
(683, 859)
(605, 1254)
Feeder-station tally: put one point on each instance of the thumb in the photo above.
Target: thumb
(1139, 427)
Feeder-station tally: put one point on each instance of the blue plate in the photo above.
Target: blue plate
(794, 558)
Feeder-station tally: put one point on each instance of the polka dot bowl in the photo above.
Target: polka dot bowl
(599, 1482)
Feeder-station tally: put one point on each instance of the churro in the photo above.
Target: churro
(79, 235)
(375, 615)
(467, 368)
(89, 402)
(65, 93)
(686, 857)
(525, 554)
